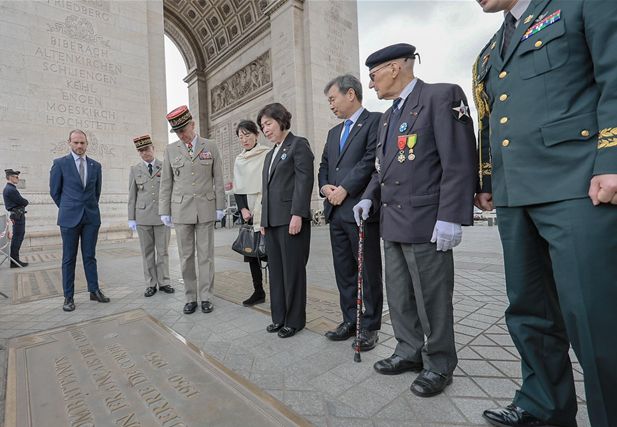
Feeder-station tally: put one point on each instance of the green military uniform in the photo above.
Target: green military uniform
(548, 109)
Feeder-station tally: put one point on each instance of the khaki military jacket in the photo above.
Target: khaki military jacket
(143, 203)
(192, 186)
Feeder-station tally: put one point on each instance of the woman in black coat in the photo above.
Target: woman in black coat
(286, 206)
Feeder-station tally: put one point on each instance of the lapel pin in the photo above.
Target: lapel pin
(493, 44)
(403, 127)
(284, 156)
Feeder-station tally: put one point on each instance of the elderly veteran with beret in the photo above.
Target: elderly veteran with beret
(192, 198)
(16, 205)
(143, 210)
(424, 185)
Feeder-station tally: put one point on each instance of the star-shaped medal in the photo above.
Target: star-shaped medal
(462, 110)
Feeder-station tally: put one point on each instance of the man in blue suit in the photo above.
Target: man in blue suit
(75, 185)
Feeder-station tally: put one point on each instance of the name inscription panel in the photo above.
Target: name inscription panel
(128, 370)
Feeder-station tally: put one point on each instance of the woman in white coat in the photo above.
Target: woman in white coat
(248, 169)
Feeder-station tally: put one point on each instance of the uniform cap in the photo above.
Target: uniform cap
(179, 118)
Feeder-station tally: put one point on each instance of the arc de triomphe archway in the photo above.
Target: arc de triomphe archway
(99, 65)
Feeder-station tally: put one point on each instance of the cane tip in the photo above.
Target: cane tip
(356, 357)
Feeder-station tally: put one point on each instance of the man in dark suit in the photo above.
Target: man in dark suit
(347, 163)
(75, 186)
(15, 204)
(546, 90)
(424, 183)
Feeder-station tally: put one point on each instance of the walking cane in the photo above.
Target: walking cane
(356, 356)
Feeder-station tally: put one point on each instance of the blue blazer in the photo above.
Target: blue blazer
(72, 199)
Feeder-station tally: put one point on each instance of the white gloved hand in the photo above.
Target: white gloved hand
(362, 208)
(447, 235)
(220, 214)
(133, 224)
(166, 219)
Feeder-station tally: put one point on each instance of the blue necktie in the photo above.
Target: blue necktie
(395, 114)
(348, 124)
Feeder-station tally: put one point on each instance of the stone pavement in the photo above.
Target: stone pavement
(313, 376)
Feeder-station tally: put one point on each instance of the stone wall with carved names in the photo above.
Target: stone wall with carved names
(86, 64)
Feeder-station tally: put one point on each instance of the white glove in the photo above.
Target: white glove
(447, 235)
(166, 219)
(220, 214)
(133, 224)
(362, 208)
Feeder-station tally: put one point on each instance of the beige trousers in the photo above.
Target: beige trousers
(154, 240)
(190, 236)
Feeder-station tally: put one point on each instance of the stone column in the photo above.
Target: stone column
(288, 65)
(312, 42)
(198, 100)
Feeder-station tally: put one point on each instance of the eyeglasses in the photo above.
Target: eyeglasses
(372, 75)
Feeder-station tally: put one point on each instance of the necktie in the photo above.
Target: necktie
(189, 147)
(392, 123)
(150, 168)
(82, 171)
(346, 131)
(510, 26)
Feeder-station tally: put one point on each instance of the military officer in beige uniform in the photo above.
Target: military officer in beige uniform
(192, 198)
(143, 207)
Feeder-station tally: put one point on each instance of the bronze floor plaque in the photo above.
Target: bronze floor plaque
(128, 370)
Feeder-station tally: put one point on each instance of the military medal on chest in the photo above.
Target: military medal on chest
(411, 143)
(401, 142)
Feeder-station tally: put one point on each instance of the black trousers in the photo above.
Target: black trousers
(256, 273)
(19, 231)
(287, 258)
(344, 241)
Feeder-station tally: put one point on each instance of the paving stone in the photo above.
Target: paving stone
(472, 408)
(304, 402)
(497, 387)
(464, 387)
(476, 368)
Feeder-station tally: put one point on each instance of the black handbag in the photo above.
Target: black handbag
(249, 242)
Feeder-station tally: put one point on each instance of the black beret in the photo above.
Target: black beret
(388, 53)
(11, 172)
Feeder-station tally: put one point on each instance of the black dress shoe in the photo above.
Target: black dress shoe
(368, 340)
(190, 307)
(98, 296)
(342, 332)
(206, 307)
(150, 290)
(286, 332)
(18, 264)
(274, 327)
(511, 416)
(167, 289)
(395, 365)
(258, 297)
(69, 305)
(430, 383)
